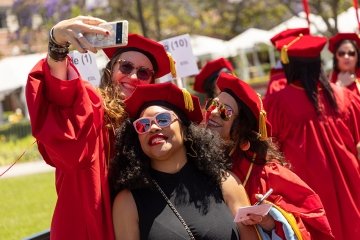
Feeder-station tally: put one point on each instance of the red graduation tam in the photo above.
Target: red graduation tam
(209, 69)
(249, 97)
(289, 32)
(333, 41)
(167, 93)
(151, 47)
(303, 46)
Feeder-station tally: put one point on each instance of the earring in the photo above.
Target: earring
(244, 145)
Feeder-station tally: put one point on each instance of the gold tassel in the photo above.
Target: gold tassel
(284, 50)
(283, 55)
(262, 121)
(172, 65)
(357, 82)
(189, 105)
(262, 126)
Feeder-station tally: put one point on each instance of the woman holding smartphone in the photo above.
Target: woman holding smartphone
(74, 123)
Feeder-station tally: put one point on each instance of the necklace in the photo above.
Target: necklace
(172, 207)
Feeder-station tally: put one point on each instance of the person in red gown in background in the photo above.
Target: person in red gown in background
(346, 62)
(316, 125)
(205, 80)
(277, 78)
(73, 122)
(238, 116)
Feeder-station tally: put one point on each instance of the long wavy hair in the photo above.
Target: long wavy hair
(244, 128)
(337, 46)
(311, 75)
(129, 169)
(112, 101)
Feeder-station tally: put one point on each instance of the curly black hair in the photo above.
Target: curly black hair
(129, 169)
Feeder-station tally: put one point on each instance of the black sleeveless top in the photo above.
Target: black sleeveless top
(196, 198)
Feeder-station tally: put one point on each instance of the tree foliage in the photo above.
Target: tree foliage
(161, 19)
(328, 10)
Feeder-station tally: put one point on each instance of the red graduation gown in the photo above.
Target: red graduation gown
(322, 150)
(290, 194)
(67, 122)
(277, 81)
(354, 87)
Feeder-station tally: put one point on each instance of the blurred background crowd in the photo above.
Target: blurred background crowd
(236, 29)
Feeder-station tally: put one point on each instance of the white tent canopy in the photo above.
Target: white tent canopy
(208, 46)
(317, 24)
(347, 21)
(15, 70)
(248, 39)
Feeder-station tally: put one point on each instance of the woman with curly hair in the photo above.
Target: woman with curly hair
(73, 122)
(169, 177)
(238, 116)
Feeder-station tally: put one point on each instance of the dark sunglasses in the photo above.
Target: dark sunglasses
(225, 111)
(349, 53)
(163, 119)
(142, 73)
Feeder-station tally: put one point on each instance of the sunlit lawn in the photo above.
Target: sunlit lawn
(26, 205)
(11, 150)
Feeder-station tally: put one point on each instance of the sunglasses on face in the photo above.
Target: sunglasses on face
(142, 73)
(162, 120)
(225, 111)
(349, 53)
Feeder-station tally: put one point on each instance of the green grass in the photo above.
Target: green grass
(11, 150)
(26, 205)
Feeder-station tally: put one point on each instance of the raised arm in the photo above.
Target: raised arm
(66, 112)
(70, 32)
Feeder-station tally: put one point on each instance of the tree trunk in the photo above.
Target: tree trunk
(157, 20)
(141, 18)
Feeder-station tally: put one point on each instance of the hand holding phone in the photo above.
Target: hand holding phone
(118, 35)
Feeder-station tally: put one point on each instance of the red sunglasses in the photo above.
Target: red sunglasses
(162, 120)
(225, 111)
(142, 73)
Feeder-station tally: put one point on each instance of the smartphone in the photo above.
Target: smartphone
(118, 35)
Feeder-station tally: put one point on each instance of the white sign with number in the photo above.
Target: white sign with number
(87, 67)
(181, 51)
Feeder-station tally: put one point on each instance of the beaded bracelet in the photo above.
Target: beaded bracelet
(56, 51)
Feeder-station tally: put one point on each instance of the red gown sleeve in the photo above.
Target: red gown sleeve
(354, 114)
(294, 196)
(66, 117)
